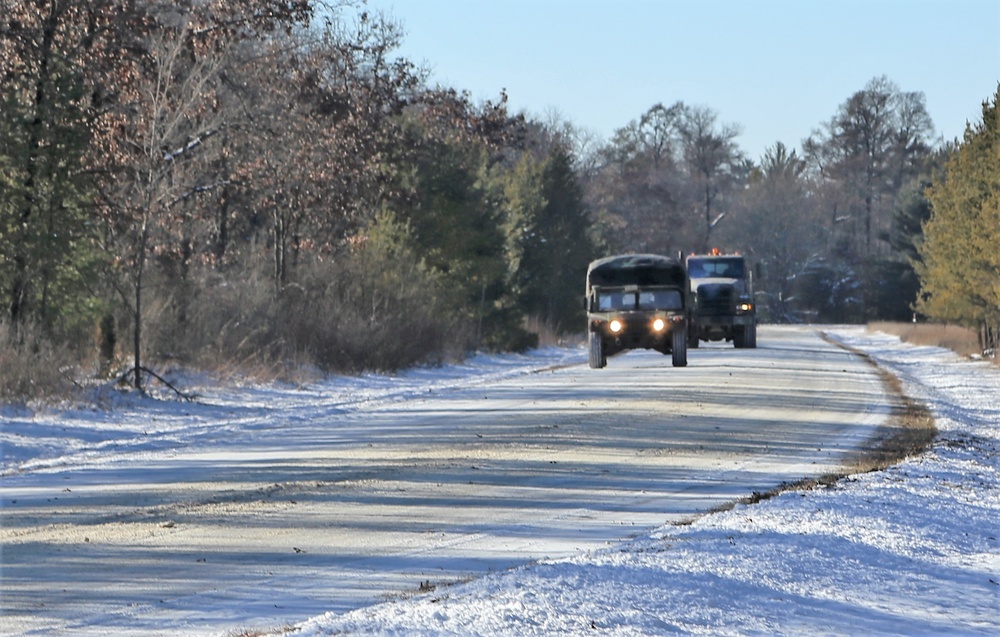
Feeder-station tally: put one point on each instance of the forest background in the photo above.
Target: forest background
(266, 186)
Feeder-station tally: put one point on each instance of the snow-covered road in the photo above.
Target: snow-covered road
(261, 506)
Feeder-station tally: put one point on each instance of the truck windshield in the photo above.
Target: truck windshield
(722, 267)
(644, 300)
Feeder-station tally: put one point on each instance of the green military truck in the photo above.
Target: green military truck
(637, 301)
(723, 309)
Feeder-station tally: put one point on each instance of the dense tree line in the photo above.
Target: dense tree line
(821, 227)
(237, 181)
(264, 182)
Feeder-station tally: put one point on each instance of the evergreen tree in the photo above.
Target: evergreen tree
(456, 225)
(567, 247)
(524, 201)
(892, 283)
(960, 273)
(549, 247)
(48, 273)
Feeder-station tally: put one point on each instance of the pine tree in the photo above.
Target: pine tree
(47, 275)
(564, 223)
(960, 276)
(548, 247)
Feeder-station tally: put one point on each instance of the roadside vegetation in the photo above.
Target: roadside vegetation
(259, 188)
(963, 341)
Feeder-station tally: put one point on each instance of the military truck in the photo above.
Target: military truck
(637, 301)
(723, 309)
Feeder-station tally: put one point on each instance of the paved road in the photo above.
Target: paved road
(330, 511)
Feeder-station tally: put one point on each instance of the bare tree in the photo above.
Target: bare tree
(712, 160)
(635, 191)
(313, 148)
(878, 139)
(659, 132)
(165, 113)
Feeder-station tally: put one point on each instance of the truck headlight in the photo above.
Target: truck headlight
(615, 326)
(746, 307)
(658, 325)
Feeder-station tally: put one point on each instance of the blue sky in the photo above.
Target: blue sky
(777, 68)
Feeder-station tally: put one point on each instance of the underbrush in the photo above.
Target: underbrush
(31, 367)
(336, 317)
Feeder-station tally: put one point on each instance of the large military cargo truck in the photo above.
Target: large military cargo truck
(723, 309)
(637, 301)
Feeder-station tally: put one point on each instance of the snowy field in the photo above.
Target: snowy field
(912, 550)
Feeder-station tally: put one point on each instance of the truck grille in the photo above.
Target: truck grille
(716, 299)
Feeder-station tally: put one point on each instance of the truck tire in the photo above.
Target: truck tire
(597, 358)
(679, 351)
(693, 339)
(752, 341)
(740, 336)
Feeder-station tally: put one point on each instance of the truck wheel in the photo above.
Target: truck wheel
(753, 336)
(740, 337)
(597, 358)
(680, 348)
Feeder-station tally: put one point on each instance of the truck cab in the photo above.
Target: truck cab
(637, 301)
(723, 309)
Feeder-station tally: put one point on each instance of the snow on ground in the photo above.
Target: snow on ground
(912, 550)
(98, 435)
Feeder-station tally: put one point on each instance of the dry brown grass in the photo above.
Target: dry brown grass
(31, 367)
(960, 340)
(547, 337)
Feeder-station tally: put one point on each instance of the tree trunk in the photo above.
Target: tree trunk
(19, 289)
(222, 240)
(280, 251)
(137, 310)
(108, 343)
(708, 216)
